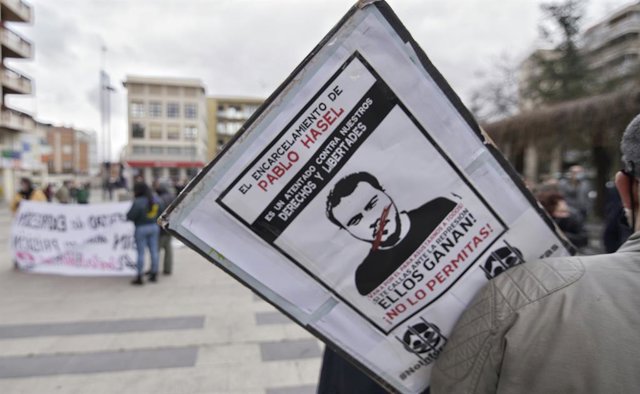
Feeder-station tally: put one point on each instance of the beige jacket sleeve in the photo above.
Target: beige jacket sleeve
(471, 359)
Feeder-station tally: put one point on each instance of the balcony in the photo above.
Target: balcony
(16, 11)
(607, 54)
(14, 46)
(604, 34)
(15, 83)
(16, 120)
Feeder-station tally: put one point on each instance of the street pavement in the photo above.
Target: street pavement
(196, 331)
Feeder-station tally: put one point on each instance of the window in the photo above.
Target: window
(190, 132)
(174, 173)
(173, 132)
(191, 111)
(155, 109)
(249, 109)
(67, 149)
(156, 150)
(191, 172)
(67, 165)
(173, 110)
(155, 131)
(137, 109)
(174, 150)
(189, 151)
(228, 128)
(137, 130)
(233, 127)
(139, 149)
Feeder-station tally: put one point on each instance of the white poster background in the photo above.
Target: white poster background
(216, 233)
(412, 173)
(77, 240)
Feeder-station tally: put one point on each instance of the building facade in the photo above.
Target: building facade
(226, 116)
(612, 47)
(18, 137)
(70, 151)
(611, 50)
(167, 127)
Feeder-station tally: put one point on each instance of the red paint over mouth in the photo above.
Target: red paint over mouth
(383, 220)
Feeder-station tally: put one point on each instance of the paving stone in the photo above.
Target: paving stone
(83, 363)
(264, 318)
(101, 327)
(289, 350)
(308, 389)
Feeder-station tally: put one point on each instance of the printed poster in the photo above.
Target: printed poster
(329, 195)
(363, 202)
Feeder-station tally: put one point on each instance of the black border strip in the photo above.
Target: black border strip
(439, 150)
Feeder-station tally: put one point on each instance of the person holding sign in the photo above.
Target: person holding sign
(143, 213)
(560, 325)
(359, 204)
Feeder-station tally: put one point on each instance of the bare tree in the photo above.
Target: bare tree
(497, 97)
(559, 74)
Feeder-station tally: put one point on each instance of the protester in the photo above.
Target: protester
(73, 191)
(561, 325)
(179, 185)
(576, 189)
(570, 224)
(82, 195)
(166, 197)
(27, 192)
(338, 376)
(62, 194)
(144, 213)
(48, 192)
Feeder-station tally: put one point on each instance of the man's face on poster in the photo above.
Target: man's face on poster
(360, 213)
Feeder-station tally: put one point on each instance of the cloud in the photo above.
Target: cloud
(241, 47)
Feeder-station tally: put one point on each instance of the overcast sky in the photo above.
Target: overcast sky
(242, 47)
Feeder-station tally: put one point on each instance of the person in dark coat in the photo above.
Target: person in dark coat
(338, 376)
(164, 244)
(570, 224)
(143, 213)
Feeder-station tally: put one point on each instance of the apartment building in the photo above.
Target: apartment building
(17, 129)
(167, 127)
(611, 49)
(226, 116)
(613, 46)
(70, 151)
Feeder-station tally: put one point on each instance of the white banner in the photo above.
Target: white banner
(69, 239)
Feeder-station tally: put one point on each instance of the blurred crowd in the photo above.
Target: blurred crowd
(69, 192)
(569, 200)
(148, 203)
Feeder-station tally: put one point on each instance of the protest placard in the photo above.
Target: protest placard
(363, 201)
(69, 239)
